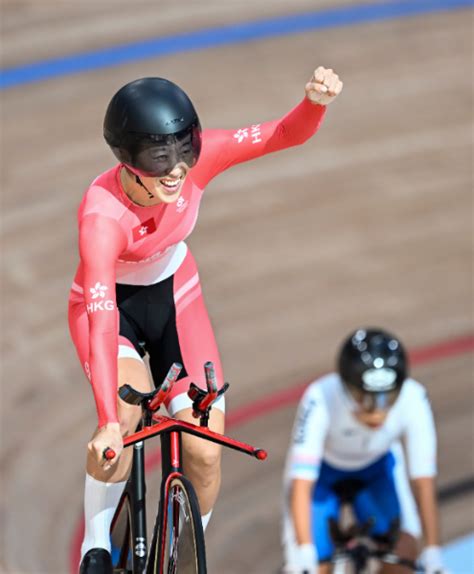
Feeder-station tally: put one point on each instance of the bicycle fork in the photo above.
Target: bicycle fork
(138, 503)
(171, 449)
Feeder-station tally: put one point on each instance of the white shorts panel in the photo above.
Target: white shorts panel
(182, 401)
(126, 352)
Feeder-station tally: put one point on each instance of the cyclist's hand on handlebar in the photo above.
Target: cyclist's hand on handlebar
(432, 561)
(303, 561)
(107, 437)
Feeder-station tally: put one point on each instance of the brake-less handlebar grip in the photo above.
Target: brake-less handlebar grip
(211, 379)
(261, 454)
(165, 388)
(173, 373)
(108, 453)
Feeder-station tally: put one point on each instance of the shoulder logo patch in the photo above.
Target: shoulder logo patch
(181, 204)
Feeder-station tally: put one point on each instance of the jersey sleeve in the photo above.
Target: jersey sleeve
(101, 240)
(420, 436)
(308, 436)
(223, 149)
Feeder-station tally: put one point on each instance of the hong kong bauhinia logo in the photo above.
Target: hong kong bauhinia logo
(253, 132)
(181, 204)
(143, 230)
(98, 292)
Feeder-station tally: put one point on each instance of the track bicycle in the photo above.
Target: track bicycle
(356, 550)
(359, 553)
(177, 545)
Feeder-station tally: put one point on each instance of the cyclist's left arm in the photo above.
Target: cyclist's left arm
(223, 149)
(421, 454)
(425, 494)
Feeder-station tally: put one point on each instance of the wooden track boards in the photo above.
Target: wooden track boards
(369, 223)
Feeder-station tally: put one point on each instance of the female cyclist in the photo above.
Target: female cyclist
(137, 289)
(346, 438)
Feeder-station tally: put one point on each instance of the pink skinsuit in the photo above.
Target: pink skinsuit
(123, 243)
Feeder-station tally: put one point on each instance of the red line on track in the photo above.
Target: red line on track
(443, 350)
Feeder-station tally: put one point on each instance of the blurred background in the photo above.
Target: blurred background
(369, 223)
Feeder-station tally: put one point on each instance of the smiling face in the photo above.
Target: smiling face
(148, 191)
(166, 189)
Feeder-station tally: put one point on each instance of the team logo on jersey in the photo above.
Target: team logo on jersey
(100, 304)
(181, 204)
(145, 228)
(302, 421)
(253, 132)
(98, 290)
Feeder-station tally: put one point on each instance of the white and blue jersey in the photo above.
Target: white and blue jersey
(330, 445)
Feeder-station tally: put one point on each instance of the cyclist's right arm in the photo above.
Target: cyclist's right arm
(101, 240)
(301, 490)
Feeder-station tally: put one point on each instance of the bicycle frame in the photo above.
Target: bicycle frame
(135, 491)
(360, 555)
(169, 430)
(357, 546)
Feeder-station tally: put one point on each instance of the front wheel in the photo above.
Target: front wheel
(121, 536)
(178, 538)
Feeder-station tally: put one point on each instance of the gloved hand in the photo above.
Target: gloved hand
(432, 561)
(304, 560)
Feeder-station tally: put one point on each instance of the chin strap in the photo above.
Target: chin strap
(139, 181)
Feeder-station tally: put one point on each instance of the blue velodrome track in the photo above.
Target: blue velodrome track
(459, 555)
(224, 35)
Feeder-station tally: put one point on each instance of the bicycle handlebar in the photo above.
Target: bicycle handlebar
(108, 453)
(202, 404)
(381, 555)
(352, 542)
(150, 402)
(167, 424)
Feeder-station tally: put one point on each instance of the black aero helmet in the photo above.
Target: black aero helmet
(373, 360)
(151, 125)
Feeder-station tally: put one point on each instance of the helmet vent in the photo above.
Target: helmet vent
(174, 121)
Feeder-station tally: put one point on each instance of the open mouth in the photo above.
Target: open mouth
(373, 425)
(171, 184)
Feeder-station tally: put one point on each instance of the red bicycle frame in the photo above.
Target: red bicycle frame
(169, 429)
